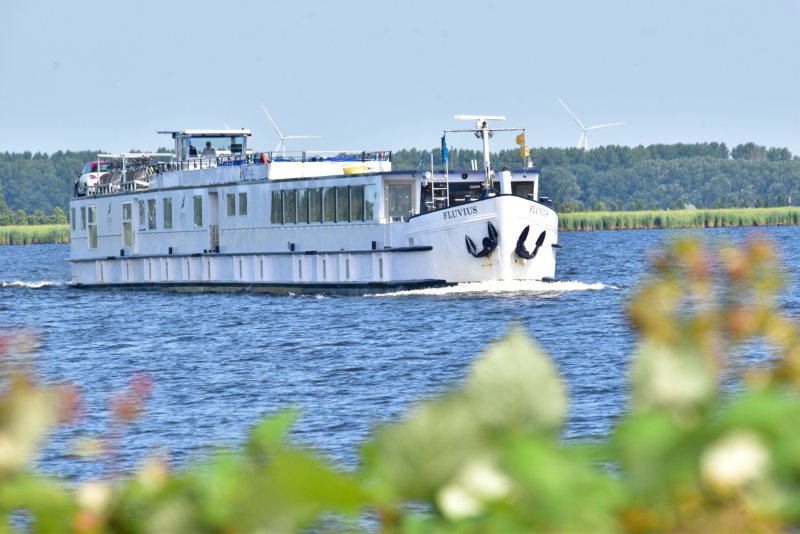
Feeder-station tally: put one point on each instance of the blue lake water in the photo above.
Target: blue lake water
(220, 362)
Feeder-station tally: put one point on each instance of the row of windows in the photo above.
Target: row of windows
(232, 204)
(324, 204)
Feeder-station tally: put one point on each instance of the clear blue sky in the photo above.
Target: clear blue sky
(380, 75)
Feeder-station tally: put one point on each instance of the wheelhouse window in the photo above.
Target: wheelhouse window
(83, 217)
(72, 218)
(198, 211)
(127, 224)
(400, 201)
(151, 214)
(167, 213)
(92, 219)
(231, 198)
(242, 203)
(522, 189)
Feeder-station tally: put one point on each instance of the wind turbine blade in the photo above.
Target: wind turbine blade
(605, 125)
(582, 143)
(302, 137)
(272, 121)
(571, 114)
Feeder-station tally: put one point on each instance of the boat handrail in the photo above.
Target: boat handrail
(329, 156)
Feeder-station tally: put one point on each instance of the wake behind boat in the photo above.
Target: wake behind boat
(214, 215)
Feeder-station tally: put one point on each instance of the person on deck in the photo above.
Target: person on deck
(208, 151)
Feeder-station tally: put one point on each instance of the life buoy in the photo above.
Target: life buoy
(264, 158)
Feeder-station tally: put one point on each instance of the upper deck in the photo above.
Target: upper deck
(207, 157)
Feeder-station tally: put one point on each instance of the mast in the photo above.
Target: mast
(483, 132)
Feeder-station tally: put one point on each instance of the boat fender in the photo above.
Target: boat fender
(489, 243)
(521, 251)
(264, 158)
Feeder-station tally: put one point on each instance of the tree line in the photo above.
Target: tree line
(655, 177)
(35, 187)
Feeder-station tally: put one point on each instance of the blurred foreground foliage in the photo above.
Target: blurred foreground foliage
(688, 455)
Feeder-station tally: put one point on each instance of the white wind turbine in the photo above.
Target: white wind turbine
(281, 147)
(583, 142)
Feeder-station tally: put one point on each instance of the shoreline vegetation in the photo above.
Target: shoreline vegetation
(688, 218)
(39, 234)
(568, 222)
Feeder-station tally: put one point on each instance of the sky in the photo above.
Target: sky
(387, 75)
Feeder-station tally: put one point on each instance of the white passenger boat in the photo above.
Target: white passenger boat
(228, 218)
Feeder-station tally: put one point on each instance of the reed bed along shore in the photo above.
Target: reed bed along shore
(712, 218)
(34, 234)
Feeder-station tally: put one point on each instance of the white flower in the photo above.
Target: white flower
(734, 460)
(478, 483)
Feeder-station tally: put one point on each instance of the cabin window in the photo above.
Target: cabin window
(167, 213)
(400, 203)
(315, 205)
(290, 206)
(151, 214)
(343, 203)
(522, 189)
(242, 203)
(92, 226)
(127, 224)
(231, 204)
(83, 217)
(198, 211)
(72, 218)
(357, 203)
(277, 207)
(302, 206)
(370, 199)
(329, 204)
(141, 215)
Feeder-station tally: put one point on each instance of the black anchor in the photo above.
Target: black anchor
(489, 243)
(522, 252)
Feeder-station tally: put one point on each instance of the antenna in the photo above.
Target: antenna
(281, 147)
(583, 142)
(484, 132)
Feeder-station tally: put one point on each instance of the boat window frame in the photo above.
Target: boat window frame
(197, 201)
(290, 206)
(127, 225)
(329, 197)
(370, 211)
(315, 205)
(276, 210)
(151, 214)
(91, 226)
(342, 203)
(230, 200)
(302, 206)
(243, 203)
(357, 207)
(166, 206)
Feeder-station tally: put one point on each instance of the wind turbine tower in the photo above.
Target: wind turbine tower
(583, 142)
(281, 147)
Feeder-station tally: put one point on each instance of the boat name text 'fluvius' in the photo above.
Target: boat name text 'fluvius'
(536, 210)
(458, 212)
